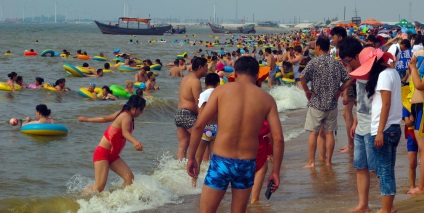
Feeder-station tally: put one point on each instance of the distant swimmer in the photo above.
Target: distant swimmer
(12, 79)
(151, 82)
(236, 144)
(107, 154)
(176, 71)
(42, 114)
(20, 82)
(141, 76)
(129, 85)
(98, 74)
(60, 85)
(107, 94)
(188, 98)
(38, 83)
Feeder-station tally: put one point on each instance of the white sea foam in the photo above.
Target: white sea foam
(168, 183)
(288, 98)
(293, 134)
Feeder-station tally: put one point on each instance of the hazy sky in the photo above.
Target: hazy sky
(277, 10)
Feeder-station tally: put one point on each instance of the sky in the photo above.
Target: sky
(262, 10)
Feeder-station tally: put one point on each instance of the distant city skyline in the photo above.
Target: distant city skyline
(247, 10)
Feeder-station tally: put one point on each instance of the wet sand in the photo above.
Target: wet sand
(321, 189)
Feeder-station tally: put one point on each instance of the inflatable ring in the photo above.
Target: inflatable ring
(73, 70)
(139, 85)
(49, 87)
(223, 80)
(6, 87)
(44, 129)
(48, 51)
(63, 55)
(84, 92)
(83, 57)
(180, 56)
(30, 54)
(99, 58)
(156, 67)
(228, 69)
(119, 91)
(118, 59)
(8, 54)
(127, 69)
(85, 70)
(288, 81)
(105, 70)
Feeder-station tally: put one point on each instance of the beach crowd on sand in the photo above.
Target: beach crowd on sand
(379, 76)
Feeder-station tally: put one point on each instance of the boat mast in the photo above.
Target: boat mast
(214, 12)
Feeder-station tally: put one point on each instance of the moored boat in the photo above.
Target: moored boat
(123, 27)
(246, 29)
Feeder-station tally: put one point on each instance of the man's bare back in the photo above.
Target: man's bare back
(176, 72)
(190, 89)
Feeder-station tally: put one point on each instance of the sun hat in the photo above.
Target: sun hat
(367, 57)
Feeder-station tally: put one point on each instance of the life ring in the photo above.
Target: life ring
(85, 70)
(63, 55)
(288, 81)
(119, 91)
(49, 87)
(127, 69)
(118, 59)
(223, 80)
(44, 129)
(83, 57)
(99, 58)
(73, 70)
(228, 69)
(181, 56)
(107, 70)
(30, 54)
(48, 51)
(139, 85)
(85, 93)
(8, 54)
(156, 67)
(6, 87)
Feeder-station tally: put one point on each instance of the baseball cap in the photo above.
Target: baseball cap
(367, 58)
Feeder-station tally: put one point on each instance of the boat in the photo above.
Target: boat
(125, 28)
(179, 29)
(245, 29)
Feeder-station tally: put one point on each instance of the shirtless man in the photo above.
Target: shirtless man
(228, 60)
(176, 71)
(182, 64)
(141, 75)
(212, 65)
(236, 143)
(151, 83)
(271, 64)
(188, 98)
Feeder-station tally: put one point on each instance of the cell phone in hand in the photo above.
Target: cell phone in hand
(268, 190)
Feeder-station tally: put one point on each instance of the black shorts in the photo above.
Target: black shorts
(185, 118)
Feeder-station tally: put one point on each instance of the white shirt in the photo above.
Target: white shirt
(388, 80)
(392, 50)
(204, 96)
(417, 48)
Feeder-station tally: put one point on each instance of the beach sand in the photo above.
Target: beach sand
(321, 189)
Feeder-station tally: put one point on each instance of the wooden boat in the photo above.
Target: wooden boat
(179, 30)
(123, 27)
(246, 29)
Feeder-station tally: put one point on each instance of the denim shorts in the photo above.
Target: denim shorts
(363, 155)
(386, 159)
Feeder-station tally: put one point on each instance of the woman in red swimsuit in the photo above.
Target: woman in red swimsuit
(106, 156)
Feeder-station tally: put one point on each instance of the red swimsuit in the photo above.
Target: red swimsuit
(117, 142)
(264, 148)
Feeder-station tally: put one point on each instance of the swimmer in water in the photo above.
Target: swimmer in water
(60, 85)
(129, 86)
(20, 82)
(12, 78)
(107, 94)
(38, 83)
(42, 113)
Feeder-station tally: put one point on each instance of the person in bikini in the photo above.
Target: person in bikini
(236, 144)
(107, 154)
(186, 115)
(204, 150)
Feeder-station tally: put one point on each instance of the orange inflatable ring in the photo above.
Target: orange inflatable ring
(83, 57)
(30, 54)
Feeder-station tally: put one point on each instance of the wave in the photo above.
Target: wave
(288, 98)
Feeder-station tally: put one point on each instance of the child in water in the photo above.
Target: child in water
(38, 83)
(20, 82)
(42, 113)
(107, 154)
(129, 86)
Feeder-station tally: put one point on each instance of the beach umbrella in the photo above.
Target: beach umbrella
(366, 26)
(371, 22)
(405, 23)
(410, 31)
(384, 31)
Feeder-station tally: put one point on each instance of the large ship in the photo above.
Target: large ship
(245, 29)
(133, 26)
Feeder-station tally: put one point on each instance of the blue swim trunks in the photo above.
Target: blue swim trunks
(222, 171)
(209, 133)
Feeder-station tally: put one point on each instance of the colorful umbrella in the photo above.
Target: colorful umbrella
(405, 23)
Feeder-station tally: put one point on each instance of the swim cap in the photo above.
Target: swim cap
(93, 84)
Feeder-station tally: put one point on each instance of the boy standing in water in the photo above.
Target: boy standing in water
(236, 144)
(209, 133)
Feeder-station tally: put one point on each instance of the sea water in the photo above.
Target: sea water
(41, 174)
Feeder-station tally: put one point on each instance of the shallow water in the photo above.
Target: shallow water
(39, 174)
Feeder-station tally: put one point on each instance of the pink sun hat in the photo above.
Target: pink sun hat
(367, 58)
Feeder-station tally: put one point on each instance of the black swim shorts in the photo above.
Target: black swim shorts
(185, 118)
